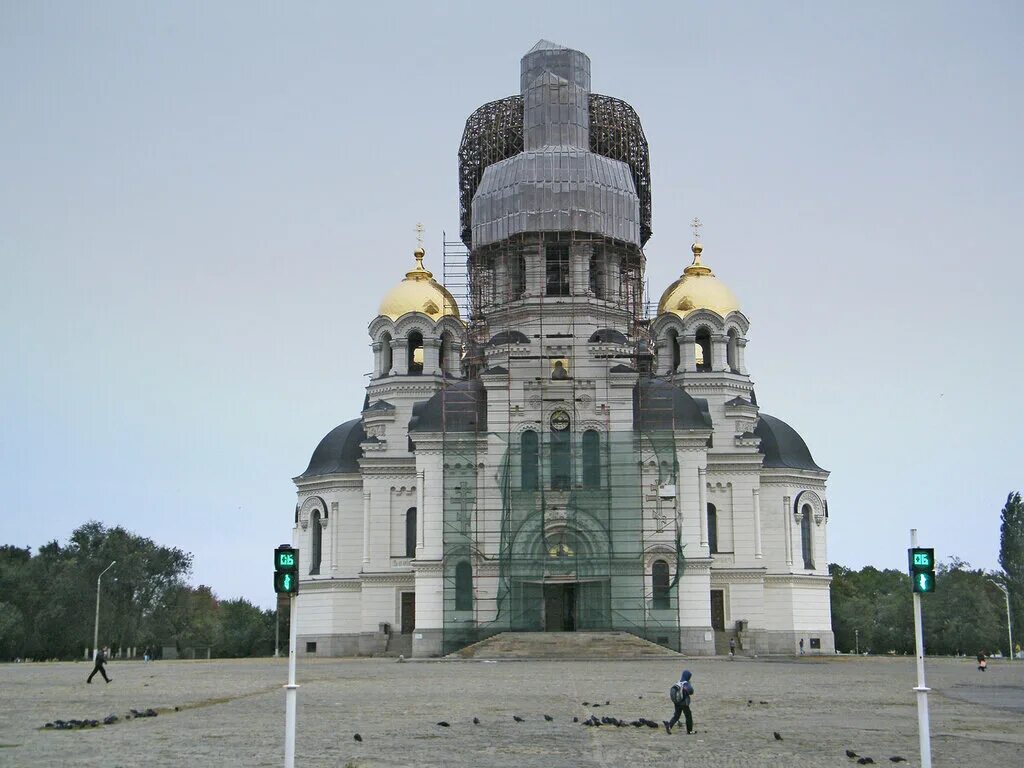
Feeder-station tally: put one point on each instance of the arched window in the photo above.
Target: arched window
(805, 536)
(591, 459)
(561, 459)
(410, 532)
(530, 464)
(659, 580)
(702, 348)
(463, 586)
(385, 354)
(415, 347)
(316, 540)
(732, 351)
(712, 528)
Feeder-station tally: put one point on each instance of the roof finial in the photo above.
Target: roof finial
(419, 253)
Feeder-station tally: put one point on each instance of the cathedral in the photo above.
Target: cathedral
(554, 455)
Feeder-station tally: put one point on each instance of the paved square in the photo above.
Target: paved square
(231, 713)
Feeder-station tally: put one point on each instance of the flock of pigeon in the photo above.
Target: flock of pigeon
(595, 722)
(73, 725)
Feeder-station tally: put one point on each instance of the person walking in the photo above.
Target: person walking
(801, 646)
(680, 694)
(732, 647)
(101, 659)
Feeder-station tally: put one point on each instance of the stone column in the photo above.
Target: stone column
(502, 290)
(702, 490)
(613, 278)
(665, 354)
(579, 260)
(377, 362)
(757, 524)
(719, 356)
(534, 277)
(787, 530)
(366, 528)
(687, 353)
(741, 355)
(431, 359)
(420, 480)
(399, 356)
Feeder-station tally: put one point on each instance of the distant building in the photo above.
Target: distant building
(555, 459)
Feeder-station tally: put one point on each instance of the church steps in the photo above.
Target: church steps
(564, 645)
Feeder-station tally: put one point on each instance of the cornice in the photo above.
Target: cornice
(797, 578)
(728, 575)
(339, 482)
(394, 578)
(329, 585)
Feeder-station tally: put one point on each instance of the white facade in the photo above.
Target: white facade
(430, 521)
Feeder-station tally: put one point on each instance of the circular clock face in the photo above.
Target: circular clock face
(559, 420)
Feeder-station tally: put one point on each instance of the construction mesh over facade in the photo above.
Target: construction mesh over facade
(494, 132)
(557, 534)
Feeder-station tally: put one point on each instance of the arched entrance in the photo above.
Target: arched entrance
(564, 588)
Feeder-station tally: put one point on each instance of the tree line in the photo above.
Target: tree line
(872, 610)
(48, 601)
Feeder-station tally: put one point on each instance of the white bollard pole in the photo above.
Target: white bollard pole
(290, 690)
(923, 729)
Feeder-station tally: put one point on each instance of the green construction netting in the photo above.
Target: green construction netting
(560, 531)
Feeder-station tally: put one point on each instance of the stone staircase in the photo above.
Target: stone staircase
(564, 645)
(399, 645)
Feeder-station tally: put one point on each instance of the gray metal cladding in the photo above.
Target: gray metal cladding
(556, 184)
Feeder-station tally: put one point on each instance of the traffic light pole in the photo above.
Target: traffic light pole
(923, 729)
(291, 690)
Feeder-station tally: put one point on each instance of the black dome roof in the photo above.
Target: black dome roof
(660, 404)
(782, 446)
(339, 451)
(459, 407)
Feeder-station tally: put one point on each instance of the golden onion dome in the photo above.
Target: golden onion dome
(698, 288)
(419, 292)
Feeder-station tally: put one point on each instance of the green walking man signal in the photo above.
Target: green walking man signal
(286, 570)
(922, 569)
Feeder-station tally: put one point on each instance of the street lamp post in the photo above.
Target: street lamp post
(1009, 628)
(96, 629)
(856, 640)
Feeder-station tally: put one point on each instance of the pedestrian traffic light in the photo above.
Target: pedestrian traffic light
(286, 570)
(922, 569)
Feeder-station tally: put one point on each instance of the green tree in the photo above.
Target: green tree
(962, 616)
(1011, 559)
(245, 630)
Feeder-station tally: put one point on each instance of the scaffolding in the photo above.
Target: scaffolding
(572, 529)
(494, 132)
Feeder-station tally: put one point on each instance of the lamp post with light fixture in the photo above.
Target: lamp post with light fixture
(96, 629)
(1009, 628)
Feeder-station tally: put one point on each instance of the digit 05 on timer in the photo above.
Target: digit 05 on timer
(286, 570)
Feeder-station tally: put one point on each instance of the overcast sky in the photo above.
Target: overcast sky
(201, 205)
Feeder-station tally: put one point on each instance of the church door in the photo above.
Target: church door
(408, 612)
(559, 607)
(717, 610)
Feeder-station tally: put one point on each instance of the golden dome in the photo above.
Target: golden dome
(419, 292)
(698, 288)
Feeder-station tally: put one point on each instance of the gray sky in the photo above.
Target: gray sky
(202, 204)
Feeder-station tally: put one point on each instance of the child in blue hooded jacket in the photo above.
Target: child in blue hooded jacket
(680, 694)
